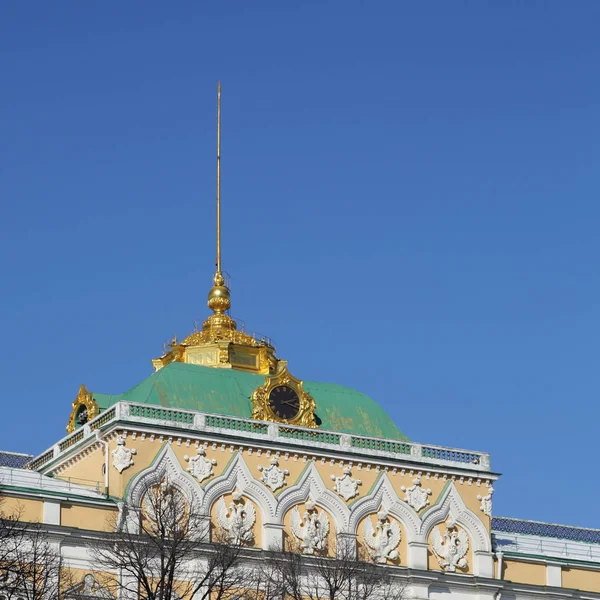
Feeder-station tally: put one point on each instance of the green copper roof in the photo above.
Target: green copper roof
(228, 392)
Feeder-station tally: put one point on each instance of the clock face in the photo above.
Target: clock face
(284, 402)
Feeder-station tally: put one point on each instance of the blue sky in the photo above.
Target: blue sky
(410, 209)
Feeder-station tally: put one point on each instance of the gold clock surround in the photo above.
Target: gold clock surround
(261, 409)
(84, 398)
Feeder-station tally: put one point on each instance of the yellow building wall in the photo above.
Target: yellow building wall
(581, 579)
(85, 517)
(87, 471)
(28, 510)
(523, 572)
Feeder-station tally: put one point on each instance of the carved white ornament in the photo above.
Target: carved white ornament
(486, 502)
(164, 504)
(383, 540)
(451, 548)
(238, 520)
(311, 529)
(273, 476)
(200, 466)
(88, 588)
(122, 456)
(345, 486)
(416, 496)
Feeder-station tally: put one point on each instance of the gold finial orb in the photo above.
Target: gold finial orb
(219, 297)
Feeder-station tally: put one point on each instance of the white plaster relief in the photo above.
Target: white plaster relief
(237, 519)
(383, 539)
(486, 502)
(311, 486)
(237, 477)
(416, 496)
(384, 497)
(311, 528)
(451, 547)
(345, 485)
(122, 456)
(200, 466)
(166, 468)
(273, 476)
(88, 588)
(452, 502)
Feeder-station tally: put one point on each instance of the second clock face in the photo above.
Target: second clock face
(284, 402)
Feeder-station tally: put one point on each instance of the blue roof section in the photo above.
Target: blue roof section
(550, 530)
(14, 460)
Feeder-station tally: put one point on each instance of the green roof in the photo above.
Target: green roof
(228, 392)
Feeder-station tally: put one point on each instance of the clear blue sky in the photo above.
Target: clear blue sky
(410, 209)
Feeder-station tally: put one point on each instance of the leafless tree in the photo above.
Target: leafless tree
(293, 576)
(157, 552)
(30, 561)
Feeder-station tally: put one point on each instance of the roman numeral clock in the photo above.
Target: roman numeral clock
(283, 400)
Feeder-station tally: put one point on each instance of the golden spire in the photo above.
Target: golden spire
(219, 296)
(218, 263)
(219, 343)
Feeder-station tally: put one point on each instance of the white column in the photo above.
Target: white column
(483, 564)
(346, 545)
(272, 536)
(554, 575)
(417, 591)
(417, 555)
(51, 512)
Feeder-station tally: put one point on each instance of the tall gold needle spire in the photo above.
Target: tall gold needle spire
(218, 264)
(219, 296)
(219, 343)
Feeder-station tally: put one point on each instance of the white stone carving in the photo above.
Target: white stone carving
(311, 529)
(122, 456)
(88, 588)
(273, 476)
(164, 504)
(346, 486)
(451, 548)
(383, 540)
(486, 502)
(416, 496)
(238, 520)
(200, 466)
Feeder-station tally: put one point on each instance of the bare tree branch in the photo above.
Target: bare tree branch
(294, 576)
(30, 561)
(158, 553)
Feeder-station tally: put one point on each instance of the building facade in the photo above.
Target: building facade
(228, 423)
(309, 467)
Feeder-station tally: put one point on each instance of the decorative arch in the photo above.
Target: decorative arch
(311, 486)
(164, 466)
(384, 495)
(451, 502)
(237, 476)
